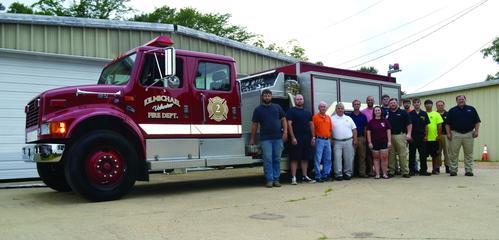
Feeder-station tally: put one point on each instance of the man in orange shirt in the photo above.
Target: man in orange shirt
(321, 138)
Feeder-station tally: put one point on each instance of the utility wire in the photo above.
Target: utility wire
(353, 15)
(455, 66)
(383, 33)
(459, 15)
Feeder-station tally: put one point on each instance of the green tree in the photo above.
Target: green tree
(292, 49)
(102, 9)
(493, 51)
(370, 69)
(17, 7)
(214, 23)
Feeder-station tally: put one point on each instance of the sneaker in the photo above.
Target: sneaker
(424, 173)
(293, 181)
(469, 174)
(277, 184)
(346, 177)
(306, 179)
(385, 176)
(453, 174)
(269, 184)
(376, 177)
(338, 178)
(405, 176)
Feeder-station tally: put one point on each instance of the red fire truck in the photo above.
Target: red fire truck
(155, 109)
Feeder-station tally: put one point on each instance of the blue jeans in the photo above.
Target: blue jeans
(271, 154)
(322, 152)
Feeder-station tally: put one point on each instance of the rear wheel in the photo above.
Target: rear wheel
(52, 175)
(101, 166)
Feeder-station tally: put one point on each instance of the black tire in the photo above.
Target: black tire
(52, 174)
(91, 172)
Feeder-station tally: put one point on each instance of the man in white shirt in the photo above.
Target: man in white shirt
(345, 137)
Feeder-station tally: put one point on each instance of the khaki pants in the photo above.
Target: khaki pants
(443, 150)
(466, 141)
(360, 155)
(399, 148)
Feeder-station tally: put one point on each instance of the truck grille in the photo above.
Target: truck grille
(32, 113)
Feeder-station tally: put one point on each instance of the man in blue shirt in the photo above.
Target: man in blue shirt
(273, 132)
(360, 121)
(462, 127)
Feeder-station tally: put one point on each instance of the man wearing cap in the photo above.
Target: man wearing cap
(462, 126)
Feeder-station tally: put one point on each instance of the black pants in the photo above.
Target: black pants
(419, 144)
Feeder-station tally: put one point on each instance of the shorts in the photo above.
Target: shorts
(380, 146)
(432, 148)
(301, 151)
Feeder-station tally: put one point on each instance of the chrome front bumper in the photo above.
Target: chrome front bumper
(43, 152)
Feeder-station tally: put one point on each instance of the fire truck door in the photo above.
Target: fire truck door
(216, 100)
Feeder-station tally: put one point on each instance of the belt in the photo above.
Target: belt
(343, 140)
(325, 138)
(462, 132)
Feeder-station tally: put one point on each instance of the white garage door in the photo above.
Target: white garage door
(23, 76)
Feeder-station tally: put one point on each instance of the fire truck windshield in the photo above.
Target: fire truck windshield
(118, 73)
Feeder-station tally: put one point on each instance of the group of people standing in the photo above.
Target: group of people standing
(374, 139)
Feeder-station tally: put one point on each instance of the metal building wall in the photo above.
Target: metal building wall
(485, 99)
(109, 38)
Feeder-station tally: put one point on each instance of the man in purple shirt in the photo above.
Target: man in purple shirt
(368, 112)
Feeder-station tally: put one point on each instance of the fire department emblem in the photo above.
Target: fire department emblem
(217, 109)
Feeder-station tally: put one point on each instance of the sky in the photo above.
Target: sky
(436, 43)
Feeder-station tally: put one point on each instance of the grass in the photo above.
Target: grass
(327, 191)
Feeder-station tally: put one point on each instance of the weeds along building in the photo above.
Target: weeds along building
(38, 53)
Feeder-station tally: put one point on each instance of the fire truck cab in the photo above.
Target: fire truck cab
(153, 108)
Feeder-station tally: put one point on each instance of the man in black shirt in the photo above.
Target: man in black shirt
(462, 127)
(443, 144)
(420, 121)
(300, 127)
(401, 132)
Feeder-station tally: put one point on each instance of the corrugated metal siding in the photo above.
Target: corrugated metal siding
(109, 43)
(484, 99)
(22, 77)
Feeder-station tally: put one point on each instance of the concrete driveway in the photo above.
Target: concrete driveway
(233, 204)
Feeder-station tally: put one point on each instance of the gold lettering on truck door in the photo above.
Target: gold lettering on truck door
(217, 109)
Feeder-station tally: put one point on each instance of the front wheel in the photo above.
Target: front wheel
(101, 166)
(52, 174)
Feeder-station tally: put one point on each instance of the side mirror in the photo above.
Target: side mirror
(170, 62)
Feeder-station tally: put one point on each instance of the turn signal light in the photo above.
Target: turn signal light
(58, 128)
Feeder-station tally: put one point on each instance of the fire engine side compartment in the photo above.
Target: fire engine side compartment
(189, 153)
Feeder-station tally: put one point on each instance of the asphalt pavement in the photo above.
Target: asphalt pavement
(234, 204)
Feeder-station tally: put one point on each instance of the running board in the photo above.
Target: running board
(161, 164)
